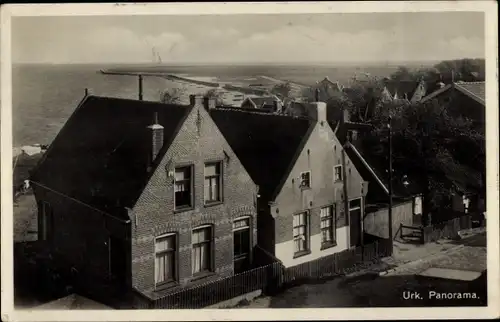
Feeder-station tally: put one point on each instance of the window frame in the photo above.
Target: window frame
(357, 207)
(333, 226)
(220, 182)
(175, 276)
(211, 252)
(182, 208)
(341, 175)
(301, 180)
(307, 232)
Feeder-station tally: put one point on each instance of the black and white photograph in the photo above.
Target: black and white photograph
(245, 158)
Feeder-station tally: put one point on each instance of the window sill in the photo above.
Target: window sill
(212, 203)
(305, 188)
(166, 285)
(327, 245)
(302, 253)
(202, 275)
(183, 209)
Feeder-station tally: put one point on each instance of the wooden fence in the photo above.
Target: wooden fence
(220, 290)
(447, 229)
(271, 278)
(341, 263)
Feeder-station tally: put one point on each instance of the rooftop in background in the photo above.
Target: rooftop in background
(401, 88)
(475, 90)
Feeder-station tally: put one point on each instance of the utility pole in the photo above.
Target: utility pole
(140, 87)
(389, 126)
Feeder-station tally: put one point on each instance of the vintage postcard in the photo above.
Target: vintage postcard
(251, 161)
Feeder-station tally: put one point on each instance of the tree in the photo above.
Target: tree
(463, 69)
(282, 90)
(424, 140)
(172, 95)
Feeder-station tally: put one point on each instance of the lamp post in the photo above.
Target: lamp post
(390, 181)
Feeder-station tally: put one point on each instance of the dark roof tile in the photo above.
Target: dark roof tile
(100, 156)
(266, 144)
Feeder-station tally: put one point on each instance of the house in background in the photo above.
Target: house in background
(311, 197)
(146, 196)
(464, 99)
(271, 103)
(407, 90)
(327, 89)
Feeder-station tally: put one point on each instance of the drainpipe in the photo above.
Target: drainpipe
(390, 180)
(345, 190)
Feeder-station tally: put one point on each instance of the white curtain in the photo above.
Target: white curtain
(164, 248)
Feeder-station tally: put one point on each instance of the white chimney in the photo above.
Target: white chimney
(210, 102)
(318, 111)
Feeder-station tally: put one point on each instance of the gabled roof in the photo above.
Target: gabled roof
(267, 145)
(474, 90)
(100, 156)
(328, 89)
(261, 102)
(401, 88)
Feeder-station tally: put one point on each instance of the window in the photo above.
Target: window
(338, 173)
(202, 250)
(355, 204)
(45, 221)
(305, 180)
(242, 242)
(417, 207)
(213, 182)
(300, 233)
(327, 225)
(352, 135)
(165, 258)
(183, 187)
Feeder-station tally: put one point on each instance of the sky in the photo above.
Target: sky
(256, 38)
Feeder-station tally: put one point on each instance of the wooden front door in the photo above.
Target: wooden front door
(355, 225)
(355, 216)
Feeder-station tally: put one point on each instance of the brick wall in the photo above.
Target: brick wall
(320, 154)
(198, 141)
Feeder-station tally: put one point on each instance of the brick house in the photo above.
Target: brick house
(146, 195)
(306, 182)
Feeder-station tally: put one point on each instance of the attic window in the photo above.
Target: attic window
(305, 180)
(338, 173)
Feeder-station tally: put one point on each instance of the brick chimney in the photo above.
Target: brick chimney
(156, 135)
(210, 102)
